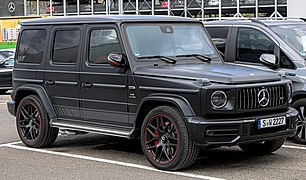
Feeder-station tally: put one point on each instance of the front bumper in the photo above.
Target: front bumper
(231, 132)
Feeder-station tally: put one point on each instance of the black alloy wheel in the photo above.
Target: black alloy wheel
(28, 120)
(161, 139)
(165, 139)
(300, 124)
(33, 124)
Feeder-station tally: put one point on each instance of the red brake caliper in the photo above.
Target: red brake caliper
(156, 134)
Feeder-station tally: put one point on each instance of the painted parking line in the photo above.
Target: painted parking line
(294, 147)
(183, 174)
(12, 143)
(189, 175)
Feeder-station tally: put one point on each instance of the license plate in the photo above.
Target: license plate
(271, 122)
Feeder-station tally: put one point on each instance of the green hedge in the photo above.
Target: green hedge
(7, 45)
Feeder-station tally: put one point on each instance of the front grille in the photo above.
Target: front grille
(222, 133)
(248, 97)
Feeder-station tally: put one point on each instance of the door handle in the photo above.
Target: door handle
(50, 82)
(87, 85)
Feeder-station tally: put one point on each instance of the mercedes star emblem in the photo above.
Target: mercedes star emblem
(263, 97)
(11, 7)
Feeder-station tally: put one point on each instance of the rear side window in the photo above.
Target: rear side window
(66, 46)
(31, 46)
(219, 37)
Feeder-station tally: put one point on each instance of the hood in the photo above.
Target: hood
(218, 73)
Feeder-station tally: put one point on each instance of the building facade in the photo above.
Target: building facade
(202, 9)
(11, 8)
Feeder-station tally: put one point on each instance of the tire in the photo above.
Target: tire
(300, 124)
(33, 124)
(3, 91)
(266, 147)
(165, 139)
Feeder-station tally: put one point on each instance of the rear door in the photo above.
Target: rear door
(62, 71)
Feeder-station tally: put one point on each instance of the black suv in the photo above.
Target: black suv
(156, 78)
(247, 41)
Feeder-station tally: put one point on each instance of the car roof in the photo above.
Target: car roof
(253, 21)
(105, 18)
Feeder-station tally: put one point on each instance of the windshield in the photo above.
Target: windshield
(294, 35)
(168, 40)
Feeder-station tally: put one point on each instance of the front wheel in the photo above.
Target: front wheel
(265, 147)
(33, 123)
(300, 124)
(165, 139)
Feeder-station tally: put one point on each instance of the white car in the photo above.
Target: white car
(7, 52)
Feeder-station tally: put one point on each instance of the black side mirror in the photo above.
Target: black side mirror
(116, 60)
(269, 60)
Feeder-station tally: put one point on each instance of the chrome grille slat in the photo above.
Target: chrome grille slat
(244, 98)
(276, 95)
(251, 95)
(248, 97)
(280, 90)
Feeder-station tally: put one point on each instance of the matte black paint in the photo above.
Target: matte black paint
(108, 100)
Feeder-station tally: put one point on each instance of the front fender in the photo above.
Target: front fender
(178, 101)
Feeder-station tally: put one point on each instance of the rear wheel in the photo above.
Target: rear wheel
(165, 139)
(33, 123)
(300, 125)
(265, 147)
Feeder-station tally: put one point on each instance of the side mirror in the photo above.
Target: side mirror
(116, 60)
(269, 60)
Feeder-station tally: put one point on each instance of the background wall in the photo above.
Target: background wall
(296, 8)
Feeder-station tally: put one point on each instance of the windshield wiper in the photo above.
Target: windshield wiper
(163, 58)
(198, 56)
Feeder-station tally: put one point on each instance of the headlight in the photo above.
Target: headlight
(289, 95)
(218, 99)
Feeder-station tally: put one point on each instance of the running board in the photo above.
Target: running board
(125, 134)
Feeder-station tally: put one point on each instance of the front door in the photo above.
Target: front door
(103, 91)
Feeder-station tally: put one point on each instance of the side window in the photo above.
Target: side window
(285, 62)
(102, 43)
(31, 46)
(66, 46)
(251, 44)
(219, 37)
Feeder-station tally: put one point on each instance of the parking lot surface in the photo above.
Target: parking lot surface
(92, 156)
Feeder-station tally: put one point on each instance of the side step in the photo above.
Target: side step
(104, 131)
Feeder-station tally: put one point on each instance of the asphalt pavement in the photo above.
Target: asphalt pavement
(92, 156)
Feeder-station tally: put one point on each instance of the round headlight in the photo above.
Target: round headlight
(289, 92)
(218, 99)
